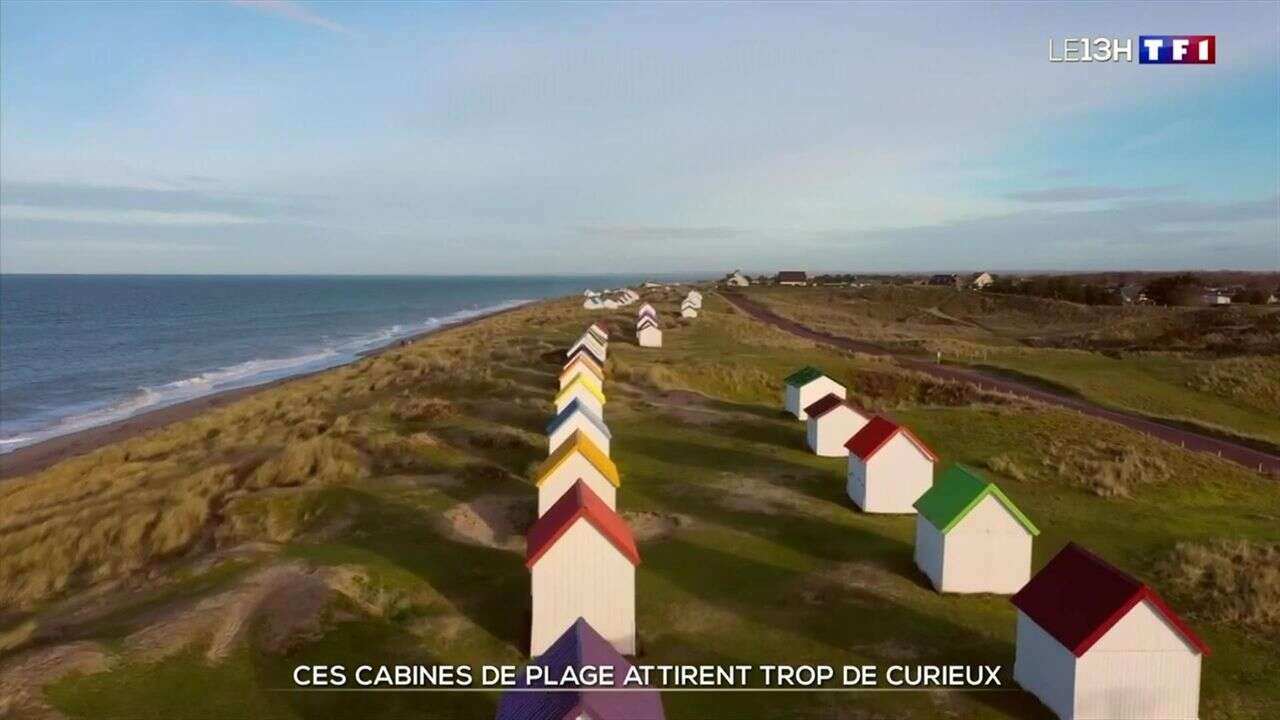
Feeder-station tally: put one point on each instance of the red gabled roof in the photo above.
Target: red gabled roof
(879, 431)
(1077, 597)
(819, 407)
(579, 502)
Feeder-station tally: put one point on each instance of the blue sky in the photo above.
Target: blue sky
(293, 137)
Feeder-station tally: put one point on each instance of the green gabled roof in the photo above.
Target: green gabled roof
(804, 375)
(958, 491)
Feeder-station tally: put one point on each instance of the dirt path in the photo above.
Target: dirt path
(1251, 458)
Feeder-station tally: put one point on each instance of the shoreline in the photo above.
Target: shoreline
(46, 453)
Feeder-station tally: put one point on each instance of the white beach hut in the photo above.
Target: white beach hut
(582, 559)
(575, 416)
(688, 311)
(582, 390)
(609, 304)
(648, 334)
(1093, 642)
(589, 341)
(581, 364)
(830, 422)
(593, 303)
(647, 309)
(889, 467)
(805, 386)
(576, 459)
(970, 537)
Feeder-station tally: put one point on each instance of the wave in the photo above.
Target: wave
(236, 376)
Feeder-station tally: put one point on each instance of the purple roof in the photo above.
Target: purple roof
(580, 646)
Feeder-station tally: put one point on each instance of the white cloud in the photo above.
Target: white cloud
(292, 11)
(101, 216)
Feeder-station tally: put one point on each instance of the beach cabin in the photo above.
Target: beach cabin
(610, 304)
(589, 342)
(648, 334)
(599, 332)
(647, 309)
(584, 366)
(577, 458)
(889, 467)
(695, 298)
(805, 386)
(1093, 642)
(583, 390)
(831, 422)
(582, 559)
(575, 416)
(593, 303)
(970, 537)
(580, 648)
(688, 311)
(591, 354)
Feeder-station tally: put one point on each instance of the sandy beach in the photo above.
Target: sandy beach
(41, 455)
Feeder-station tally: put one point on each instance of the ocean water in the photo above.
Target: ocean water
(77, 351)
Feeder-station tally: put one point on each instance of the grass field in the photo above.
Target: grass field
(374, 514)
(1109, 355)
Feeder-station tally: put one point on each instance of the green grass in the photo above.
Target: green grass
(773, 565)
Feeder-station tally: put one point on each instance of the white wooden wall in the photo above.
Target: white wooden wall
(650, 337)
(584, 575)
(577, 422)
(791, 402)
(856, 482)
(828, 434)
(987, 551)
(1142, 668)
(928, 551)
(563, 478)
(897, 476)
(1044, 668)
(815, 391)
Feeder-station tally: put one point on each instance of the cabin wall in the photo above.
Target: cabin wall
(791, 402)
(583, 575)
(833, 430)
(856, 481)
(650, 337)
(928, 551)
(1044, 668)
(988, 550)
(578, 422)
(1141, 668)
(566, 475)
(897, 475)
(580, 393)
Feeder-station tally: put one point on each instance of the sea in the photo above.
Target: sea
(79, 351)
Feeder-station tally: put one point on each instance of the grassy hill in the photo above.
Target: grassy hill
(375, 514)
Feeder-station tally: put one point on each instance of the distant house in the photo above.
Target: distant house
(577, 458)
(599, 349)
(970, 537)
(1215, 297)
(688, 312)
(1094, 642)
(889, 467)
(736, 279)
(580, 648)
(1131, 294)
(793, 277)
(831, 422)
(648, 334)
(945, 281)
(582, 559)
(585, 390)
(576, 416)
(981, 280)
(588, 353)
(805, 386)
(581, 363)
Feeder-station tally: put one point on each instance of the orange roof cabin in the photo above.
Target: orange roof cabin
(1094, 642)
(576, 459)
(889, 467)
(582, 560)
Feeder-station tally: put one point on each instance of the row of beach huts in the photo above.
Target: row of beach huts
(581, 557)
(1092, 641)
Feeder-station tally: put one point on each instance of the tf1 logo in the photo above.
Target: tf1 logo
(1151, 50)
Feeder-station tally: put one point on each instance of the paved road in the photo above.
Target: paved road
(1252, 458)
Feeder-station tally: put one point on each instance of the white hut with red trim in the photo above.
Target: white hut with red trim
(582, 559)
(1093, 642)
(889, 467)
(831, 422)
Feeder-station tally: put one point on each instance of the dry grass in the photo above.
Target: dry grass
(1228, 581)
(1104, 467)
(1254, 381)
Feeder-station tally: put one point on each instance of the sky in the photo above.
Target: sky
(456, 138)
